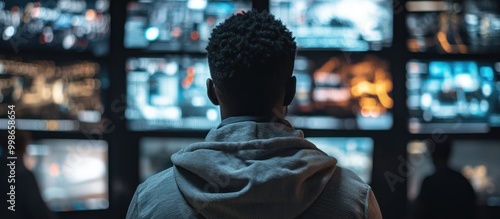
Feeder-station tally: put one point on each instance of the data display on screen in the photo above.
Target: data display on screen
(453, 96)
(181, 25)
(72, 174)
(348, 25)
(155, 153)
(468, 26)
(476, 160)
(342, 92)
(55, 25)
(355, 154)
(169, 93)
(49, 95)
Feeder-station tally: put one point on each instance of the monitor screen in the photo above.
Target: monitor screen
(468, 26)
(72, 174)
(49, 95)
(476, 160)
(348, 25)
(355, 154)
(453, 96)
(169, 93)
(181, 25)
(55, 25)
(155, 153)
(342, 92)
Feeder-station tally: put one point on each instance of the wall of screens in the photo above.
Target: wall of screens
(55, 70)
(62, 25)
(463, 93)
(453, 93)
(372, 75)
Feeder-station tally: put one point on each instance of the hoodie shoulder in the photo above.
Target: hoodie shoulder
(159, 197)
(345, 196)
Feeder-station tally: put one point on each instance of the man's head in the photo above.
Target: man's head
(20, 142)
(251, 57)
(441, 153)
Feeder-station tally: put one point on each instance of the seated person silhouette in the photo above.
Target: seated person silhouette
(446, 193)
(28, 200)
(254, 164)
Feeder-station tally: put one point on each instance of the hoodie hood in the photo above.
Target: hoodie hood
(252, 170)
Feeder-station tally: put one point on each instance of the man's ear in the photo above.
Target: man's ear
(290, 90)
(211, 92)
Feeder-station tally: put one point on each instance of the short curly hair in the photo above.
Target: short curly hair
(251, 54)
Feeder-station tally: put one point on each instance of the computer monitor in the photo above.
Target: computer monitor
(50, 25)
(72, 174)
(355, 154)
(181, 25)
(169, 93)
(476, 160)
(347, 25)
(467, 26)
(52, 95)
(349, 91)
(155, 153)
(453, 96)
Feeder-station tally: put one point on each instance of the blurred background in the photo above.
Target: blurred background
(111, 89)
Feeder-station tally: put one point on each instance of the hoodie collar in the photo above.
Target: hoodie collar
(259, 119)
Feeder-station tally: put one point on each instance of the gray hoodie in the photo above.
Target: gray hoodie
(250, 169)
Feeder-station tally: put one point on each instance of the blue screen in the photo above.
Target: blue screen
(184, 25)
(169, 93)
(348, 25)
(453, 96)
(355, 154)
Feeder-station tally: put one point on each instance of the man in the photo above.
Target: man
(28, 200)
(254, 164)
(446, 193)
